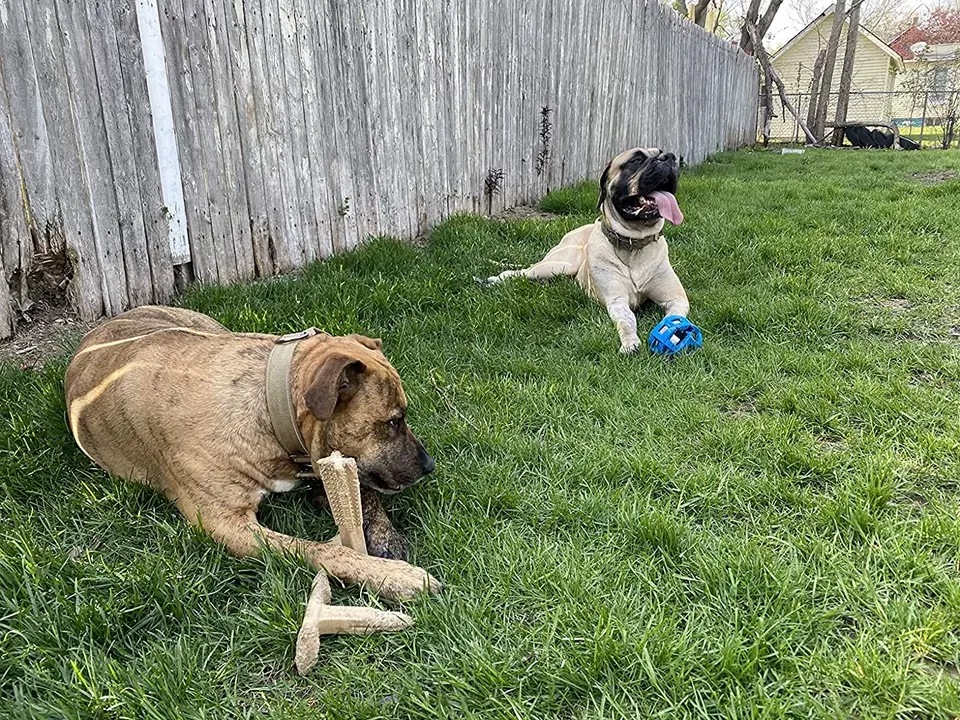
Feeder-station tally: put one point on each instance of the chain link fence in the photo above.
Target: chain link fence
(927, 117)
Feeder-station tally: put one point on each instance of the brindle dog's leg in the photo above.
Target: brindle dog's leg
(382, 539)
(243, 535)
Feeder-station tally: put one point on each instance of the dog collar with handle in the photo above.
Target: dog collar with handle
(622, 241)
(280, 407)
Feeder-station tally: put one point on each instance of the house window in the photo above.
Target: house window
(941, 80)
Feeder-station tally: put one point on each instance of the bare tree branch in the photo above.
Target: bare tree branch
(770, 75)
(767, 20)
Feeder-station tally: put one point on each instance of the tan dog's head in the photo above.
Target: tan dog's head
(353, 401)
(637, 190)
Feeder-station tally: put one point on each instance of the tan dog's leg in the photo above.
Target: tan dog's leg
(667, 292)
(566, 258)
(543, 270)
(243, 536)
(619, 311)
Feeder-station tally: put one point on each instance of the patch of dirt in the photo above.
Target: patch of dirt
(742, 409)
(43, 332)
(935, 177)
(896, 304)
(831, 446)
(938, 668)
(524, 212)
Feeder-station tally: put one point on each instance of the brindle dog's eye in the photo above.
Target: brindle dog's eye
(395, 423)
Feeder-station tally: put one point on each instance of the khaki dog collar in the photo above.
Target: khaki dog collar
(622, 241)
(283, 414)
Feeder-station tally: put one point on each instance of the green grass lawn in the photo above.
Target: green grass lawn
(768, 528)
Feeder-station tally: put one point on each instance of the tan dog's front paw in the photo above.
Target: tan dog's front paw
(629, 347)
(397, 580)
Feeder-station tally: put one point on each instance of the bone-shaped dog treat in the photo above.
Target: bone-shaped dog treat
(342, 486)
(321, 618)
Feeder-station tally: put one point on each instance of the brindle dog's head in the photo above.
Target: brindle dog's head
(637, 190)
(348, 385)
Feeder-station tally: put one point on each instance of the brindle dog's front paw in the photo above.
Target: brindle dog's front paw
(386, 543)
(396, 580)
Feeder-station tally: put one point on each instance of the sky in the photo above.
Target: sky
(795, 14)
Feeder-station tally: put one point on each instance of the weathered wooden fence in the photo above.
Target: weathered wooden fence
(147, 142)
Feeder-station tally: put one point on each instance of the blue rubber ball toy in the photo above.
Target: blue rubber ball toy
(674, 335)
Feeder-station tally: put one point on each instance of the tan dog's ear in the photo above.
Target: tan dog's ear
(603, 185)
(337, 380)
(371, 343)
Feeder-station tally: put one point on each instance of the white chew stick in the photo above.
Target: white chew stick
(321, 618)
(342, 486)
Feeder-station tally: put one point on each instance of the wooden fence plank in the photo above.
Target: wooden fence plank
(87, 112)
(212, 155)
(29, 128)
(88, 286)
(289, 244)
(15, 244)
(315, 117)
(224, 90)
(154, 215)
(250, 142)
(295, 131)
(121, 151)
(203, 252)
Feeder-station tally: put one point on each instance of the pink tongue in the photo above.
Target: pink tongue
(668, 207)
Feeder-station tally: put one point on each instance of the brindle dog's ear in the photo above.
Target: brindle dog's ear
(603, 186)
(337, 380)
(375, 344)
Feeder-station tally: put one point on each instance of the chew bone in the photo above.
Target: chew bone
(342, 486)
(321, 618)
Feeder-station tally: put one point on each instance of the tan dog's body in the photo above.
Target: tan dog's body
(171, 399)
(621, 276)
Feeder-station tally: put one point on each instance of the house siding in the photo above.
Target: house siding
(908, 105)
(874, 72)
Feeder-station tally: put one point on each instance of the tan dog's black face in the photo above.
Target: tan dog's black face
(639, 186)
(357, 394)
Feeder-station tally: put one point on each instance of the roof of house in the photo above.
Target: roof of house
(941, 28)
(905, 40)
(863, 31)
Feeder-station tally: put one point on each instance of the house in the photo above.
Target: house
(931, 77)
(876, 66)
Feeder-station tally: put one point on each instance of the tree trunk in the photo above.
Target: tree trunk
(770, 77)
(815, 87)
(846, 76)
(700, 12)
(829, 63)
(753, 12)
(767, 20)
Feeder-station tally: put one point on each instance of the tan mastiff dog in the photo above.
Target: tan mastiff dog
(171, 399)
(622, 259)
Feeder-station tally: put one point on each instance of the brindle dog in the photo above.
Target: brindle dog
(170, 398)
